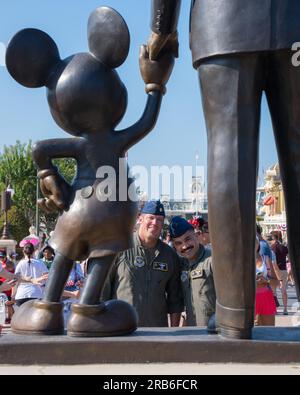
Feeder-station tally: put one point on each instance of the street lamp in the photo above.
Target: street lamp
(5, 206)
(37, 214)
(36, 222)
(196, 157)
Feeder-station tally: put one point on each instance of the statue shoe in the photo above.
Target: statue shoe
(38, 317)
(112, 318)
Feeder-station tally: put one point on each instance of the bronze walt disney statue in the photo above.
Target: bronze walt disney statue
(241, 48)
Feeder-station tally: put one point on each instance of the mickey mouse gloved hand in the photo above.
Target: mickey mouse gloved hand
(55, 189)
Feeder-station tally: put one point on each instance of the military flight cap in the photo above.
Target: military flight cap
(154, 207)
(178, 226)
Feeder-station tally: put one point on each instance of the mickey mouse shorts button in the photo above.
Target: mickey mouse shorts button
(87, 192)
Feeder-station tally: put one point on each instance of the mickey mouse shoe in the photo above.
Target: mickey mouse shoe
(38, 317)
(112, 318)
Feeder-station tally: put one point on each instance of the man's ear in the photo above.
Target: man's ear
(108, 36)
(30, 56)
(140, 219)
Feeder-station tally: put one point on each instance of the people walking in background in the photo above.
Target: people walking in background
(167, 239)
(10, 267)
(75, 282)
(204, 237)
(7, 285)
(48, 256)
(290, 279)
(281, 252)
(72, 290)
(269, 258)
(33, 275)
(265, 307)
(7, 275)
(6, 264)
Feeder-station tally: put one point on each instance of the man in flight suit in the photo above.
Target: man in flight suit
(196, 273)
(241, 48)
(148, 275)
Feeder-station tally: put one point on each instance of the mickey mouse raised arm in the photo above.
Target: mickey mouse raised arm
(87, 99)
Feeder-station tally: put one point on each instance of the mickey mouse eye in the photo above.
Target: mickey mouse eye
(30, 56)
(108, 36)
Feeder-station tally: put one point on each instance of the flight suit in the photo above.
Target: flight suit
(242, 48)
(149, 281)
(198, 288)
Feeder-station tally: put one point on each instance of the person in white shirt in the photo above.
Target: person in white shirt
(33, 273)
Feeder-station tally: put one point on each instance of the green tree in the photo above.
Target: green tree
(67, 168)
(18, 171)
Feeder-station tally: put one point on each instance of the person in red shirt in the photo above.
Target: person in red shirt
(10, 267)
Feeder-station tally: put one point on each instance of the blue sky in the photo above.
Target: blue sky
(180, 130)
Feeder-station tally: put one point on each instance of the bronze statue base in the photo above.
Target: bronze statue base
(153, 345)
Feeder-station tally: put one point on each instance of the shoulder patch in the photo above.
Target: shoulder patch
(184, 276)
(139, 261)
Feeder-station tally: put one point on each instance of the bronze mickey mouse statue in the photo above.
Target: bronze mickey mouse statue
(87, 99)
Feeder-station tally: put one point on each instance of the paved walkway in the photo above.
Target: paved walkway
(180, 369)
(293, 319)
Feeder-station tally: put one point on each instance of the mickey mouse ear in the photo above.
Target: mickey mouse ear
(108, 36)
(30, 55)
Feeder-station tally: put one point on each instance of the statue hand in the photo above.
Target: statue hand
(162, 43)
(56, 192)
(155, 73)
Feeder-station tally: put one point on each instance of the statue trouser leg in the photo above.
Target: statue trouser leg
(231, 89)
(45, 317)
(97, 272)
(283, 94)
(90, 318)
(58, 276)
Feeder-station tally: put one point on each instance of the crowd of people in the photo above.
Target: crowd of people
(169, 280)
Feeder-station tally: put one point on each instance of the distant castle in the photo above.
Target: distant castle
(270, 203)
(194, 204)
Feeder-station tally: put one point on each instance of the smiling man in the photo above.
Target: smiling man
(196, 273)
(148, 275)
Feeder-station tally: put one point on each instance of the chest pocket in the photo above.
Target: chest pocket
(197, 273)
(160, 273)
(161, 266)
